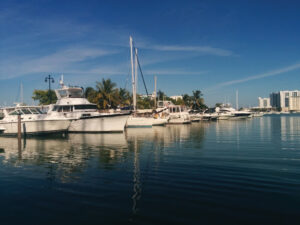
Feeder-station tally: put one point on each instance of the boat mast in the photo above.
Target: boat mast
(155, 80)
(21, 94)
(132, 74)
(136, 74)
(237, 100)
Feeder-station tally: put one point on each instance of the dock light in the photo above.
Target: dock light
(50, 80)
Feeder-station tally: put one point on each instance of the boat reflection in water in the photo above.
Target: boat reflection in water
(62, 156)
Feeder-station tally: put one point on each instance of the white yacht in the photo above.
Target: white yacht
(177, 113)
(33, 121)
(227, 110)
(84, 115)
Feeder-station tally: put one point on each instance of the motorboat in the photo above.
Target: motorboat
(233, 113)
(84, 116)
(33, 121)
(177, 114)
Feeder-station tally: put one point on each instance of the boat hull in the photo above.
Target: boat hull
(100, 124)
(139, 122)
(179, 121)
(37, 127)
(160, 122)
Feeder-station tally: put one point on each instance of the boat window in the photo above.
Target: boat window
(85, 107)
(67, 108)
(59, 109)
(62, 93)
(55, 108)
(34, 111)
(39, 111)
(75, 93)
(26, 111)
(16, 112)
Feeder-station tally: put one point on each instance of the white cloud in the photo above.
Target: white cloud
(199, 49)
(173, 72)
(260, 76)
(59, 61)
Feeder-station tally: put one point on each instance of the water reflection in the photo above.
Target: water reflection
(65, 156)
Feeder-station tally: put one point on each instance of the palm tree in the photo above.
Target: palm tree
(160, 95)
(90, 93)
(187, 100)
(106, 94)
(198, 102)
(124, 97)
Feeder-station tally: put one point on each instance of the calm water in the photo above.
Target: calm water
(227, 172)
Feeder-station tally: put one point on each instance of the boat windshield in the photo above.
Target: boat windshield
(16, 112)
(75, 93)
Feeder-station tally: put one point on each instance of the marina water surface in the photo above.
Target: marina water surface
(226, 172)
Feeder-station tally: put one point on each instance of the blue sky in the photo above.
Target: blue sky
(215, 46)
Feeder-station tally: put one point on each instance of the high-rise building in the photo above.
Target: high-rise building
(285, 100)
(275, 100)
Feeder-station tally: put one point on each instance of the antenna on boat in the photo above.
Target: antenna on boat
(61, 81)
(237, 100)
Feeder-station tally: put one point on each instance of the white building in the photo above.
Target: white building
(285, 100)
(264, 102)
(176, 97)
(294, 103)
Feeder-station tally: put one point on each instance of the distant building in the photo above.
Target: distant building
(286, 100)
(264, 102)
(176, 97)
(275, 100)
(294, 103)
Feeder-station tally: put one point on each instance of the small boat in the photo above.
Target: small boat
(33, 121)
(177, 114)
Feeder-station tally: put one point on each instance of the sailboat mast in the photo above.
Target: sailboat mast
(132, 74)
(237, 100)
(155, 80)
(136, 74)
(21, 93)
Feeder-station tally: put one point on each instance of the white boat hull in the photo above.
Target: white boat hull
(35, 127)
(99, 124)
(160, 122)
(139, 121)
(179, 121)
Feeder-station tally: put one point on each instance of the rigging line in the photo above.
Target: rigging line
(142, 75)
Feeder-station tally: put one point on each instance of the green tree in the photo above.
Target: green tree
(44, 97)
(125, 98)
(160, 95)
(187, 100)
(90, 93)
(107, 94)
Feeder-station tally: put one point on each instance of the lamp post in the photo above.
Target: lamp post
(50, 80)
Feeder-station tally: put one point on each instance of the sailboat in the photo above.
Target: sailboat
(136, 119)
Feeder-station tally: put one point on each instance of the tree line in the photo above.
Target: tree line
(107, 95)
